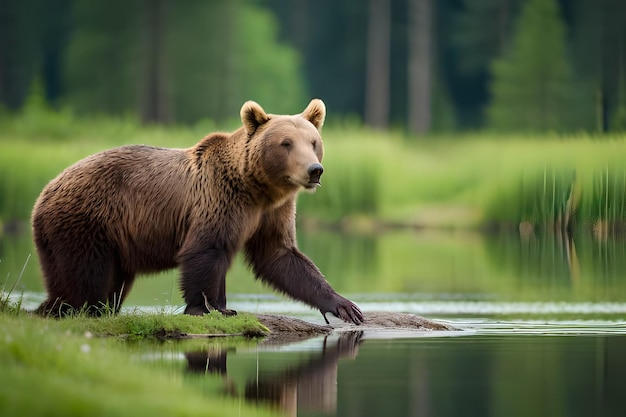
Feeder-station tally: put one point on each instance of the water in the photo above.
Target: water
(486, 369)
(542, 319)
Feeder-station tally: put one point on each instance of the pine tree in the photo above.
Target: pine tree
(599, 58)
(482, 31)
(531, 82)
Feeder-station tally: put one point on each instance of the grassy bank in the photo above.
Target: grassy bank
(137, 325)
(458, 181)
(63, 368)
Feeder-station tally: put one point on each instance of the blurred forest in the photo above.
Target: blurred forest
(418, 65)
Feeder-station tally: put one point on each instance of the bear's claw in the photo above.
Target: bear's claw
(351, 314)
(348, 312)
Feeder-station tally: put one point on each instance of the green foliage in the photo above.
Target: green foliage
(37, 118)
(210, 58)
(269, 72)
(483, 29)
(531, 83)
(619, 119)
(101, 65)
(597, 51)
(194, 60)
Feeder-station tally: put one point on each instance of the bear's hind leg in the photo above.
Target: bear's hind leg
(54, 305)
(93, 283)
(121, 283)
(76, 284)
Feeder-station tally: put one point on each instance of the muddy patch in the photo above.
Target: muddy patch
(285, 329)
(398, 321)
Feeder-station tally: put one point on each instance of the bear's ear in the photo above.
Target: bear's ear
(315, 113)
(252, 116)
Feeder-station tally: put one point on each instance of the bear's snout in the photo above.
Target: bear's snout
(315, 172)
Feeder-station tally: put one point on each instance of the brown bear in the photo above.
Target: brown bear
(141, 209)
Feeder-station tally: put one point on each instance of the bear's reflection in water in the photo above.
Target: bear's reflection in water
(309, 384)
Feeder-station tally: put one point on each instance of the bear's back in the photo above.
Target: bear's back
(136, 196)
(118, 175)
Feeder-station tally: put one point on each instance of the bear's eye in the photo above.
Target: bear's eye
(286, 143)
(314, 143)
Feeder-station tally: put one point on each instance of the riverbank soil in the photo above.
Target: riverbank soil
(285, 329)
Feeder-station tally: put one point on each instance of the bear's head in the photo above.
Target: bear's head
(288, 149)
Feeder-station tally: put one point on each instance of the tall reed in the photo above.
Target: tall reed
(547, 181)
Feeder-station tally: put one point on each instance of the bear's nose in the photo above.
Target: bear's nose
(315, 172)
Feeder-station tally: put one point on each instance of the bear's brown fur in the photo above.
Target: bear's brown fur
(137, 209)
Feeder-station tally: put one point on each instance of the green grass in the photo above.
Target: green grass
(48, 370)
(471, 180)
(75, 371)
(164, 325)
(139, 325)
(76, 366)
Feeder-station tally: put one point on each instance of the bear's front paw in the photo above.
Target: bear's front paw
(345, 310)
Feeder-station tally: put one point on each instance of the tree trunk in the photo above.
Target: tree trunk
(155, 106)
(378, 51)
(227, 86)
(420, 65)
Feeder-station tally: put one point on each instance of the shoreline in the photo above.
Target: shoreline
(285, 329)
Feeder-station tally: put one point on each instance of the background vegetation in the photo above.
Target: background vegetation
(417, 65)
(499, 115)
(485, 180)
(492, 115)
(407, 83)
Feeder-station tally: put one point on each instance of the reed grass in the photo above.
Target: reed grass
(563, 181)
(573, 183)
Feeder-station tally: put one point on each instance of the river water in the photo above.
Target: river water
(542, 324)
